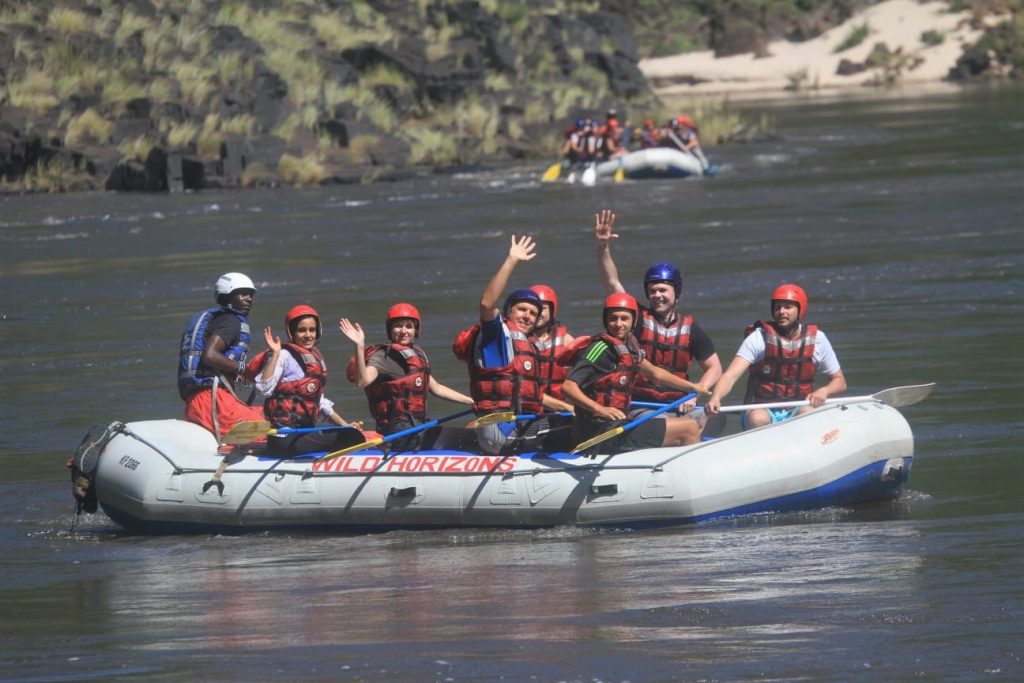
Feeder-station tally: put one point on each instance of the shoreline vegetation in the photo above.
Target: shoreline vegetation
(160, 95)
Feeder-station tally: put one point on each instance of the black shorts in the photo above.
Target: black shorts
(650, 434)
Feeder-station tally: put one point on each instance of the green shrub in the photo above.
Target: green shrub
(932, 37)
(855, 37)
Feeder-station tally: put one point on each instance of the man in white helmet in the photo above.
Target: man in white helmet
(213, 350)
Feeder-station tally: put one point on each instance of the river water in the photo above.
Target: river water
(902, 217)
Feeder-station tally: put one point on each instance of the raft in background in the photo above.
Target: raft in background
(153, 477)
(655, 162)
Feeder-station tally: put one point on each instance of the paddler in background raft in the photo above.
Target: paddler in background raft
(212, 358)
(396, 377)
(669, 339)
(783, 355)
(502, 359)
(604, 370)
(291, 377)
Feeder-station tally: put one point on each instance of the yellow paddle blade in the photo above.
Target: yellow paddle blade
(247, 432)
(610, 434)
(550, 175)
(351, 449)
(493, 418)
(620, 175)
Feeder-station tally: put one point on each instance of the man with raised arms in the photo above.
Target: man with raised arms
(500, 355)
(670, 339)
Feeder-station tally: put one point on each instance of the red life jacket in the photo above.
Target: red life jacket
(667, 347)
(550, 372)
(295, 403)
(513, 387)
(615, 390)
(787, 371)
(404, 398)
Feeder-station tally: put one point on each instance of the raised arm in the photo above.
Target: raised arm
(603, 222)
(274, 344)
(521, 249)
(364, 374)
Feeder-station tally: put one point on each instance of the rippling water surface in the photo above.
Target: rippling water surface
(901, 216)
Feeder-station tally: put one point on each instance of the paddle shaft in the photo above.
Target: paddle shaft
(897, 397)
(397, 435)
(611, 433)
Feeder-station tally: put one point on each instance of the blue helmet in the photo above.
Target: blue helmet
(580, 123)
(527, 295)
(664, 272)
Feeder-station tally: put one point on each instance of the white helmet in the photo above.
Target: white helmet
(230, 282)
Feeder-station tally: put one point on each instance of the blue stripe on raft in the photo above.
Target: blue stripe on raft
(862, 486)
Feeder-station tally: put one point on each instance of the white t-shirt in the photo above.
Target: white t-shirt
(752, 351)
(287, 370)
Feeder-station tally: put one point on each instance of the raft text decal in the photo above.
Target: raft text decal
(830, 437)
(454, 464)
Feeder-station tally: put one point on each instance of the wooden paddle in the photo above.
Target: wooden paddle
(250, 430)
(612, 433)
(553, 172)
(391, 437)
(896, 397)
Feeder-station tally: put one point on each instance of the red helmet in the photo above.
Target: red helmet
(298, 312)
(621, 300)
(402, 310)
(685, 120)
(793, 293)
(548, 296)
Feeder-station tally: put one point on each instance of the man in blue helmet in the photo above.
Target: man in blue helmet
(669, 338)
(500, 354)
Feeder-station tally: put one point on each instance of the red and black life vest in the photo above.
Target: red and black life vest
(550, 372)
(616, 388)
(403, 399)
(668, 347)
(513, 387)
(787, 371)
(295, 403)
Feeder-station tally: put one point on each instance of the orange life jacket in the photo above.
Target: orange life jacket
(295, 403)
(551, 373)
(668, 347)
(513, 387)
(787, 371)
(402, 399)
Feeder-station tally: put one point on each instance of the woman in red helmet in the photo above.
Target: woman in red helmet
(782, 355)
(550, 337)
(600, 384)
(291, 375)
(396, 377)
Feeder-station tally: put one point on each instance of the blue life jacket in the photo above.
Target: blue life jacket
(193, 342)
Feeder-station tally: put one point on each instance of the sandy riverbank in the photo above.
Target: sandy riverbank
(811, 65)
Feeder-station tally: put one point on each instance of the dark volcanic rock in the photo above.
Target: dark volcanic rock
(848, 68)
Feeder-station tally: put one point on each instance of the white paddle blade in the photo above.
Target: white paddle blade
(589, 176)
(897, 397)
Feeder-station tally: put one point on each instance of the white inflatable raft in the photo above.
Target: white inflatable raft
(655, 162)
(150, 477)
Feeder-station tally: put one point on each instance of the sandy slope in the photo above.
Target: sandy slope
(897, 23)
